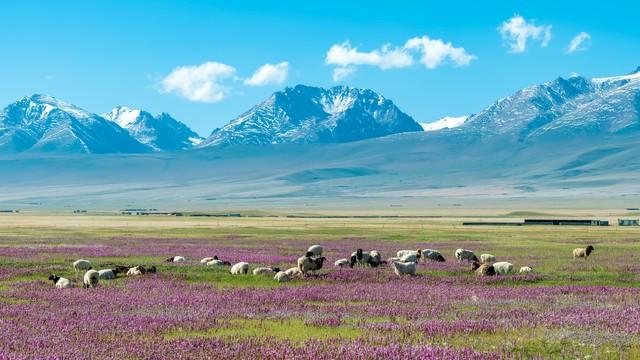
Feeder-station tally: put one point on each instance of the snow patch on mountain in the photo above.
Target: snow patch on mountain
(447, 122)
(122, 116)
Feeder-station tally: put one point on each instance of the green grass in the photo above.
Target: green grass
(294, 330)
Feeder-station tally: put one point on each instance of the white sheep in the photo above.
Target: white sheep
(282, 276)
(409, 258)
(310, 264)
(81, 265)
(216, 262)
(462, 254)
(417, 253)
(240, 268)
(62, 283)
(433, 255)
(136, 270)
(526, 270)
(106, 274)
(265, 270)
(503, 267)
(316, 250)
(404, 268)
(91, 279)
(207, 259)
(294, 272)
(487, 258)
(176, 259)
(341, 263)
(583, 252)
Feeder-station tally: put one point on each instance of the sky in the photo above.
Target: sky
(206, 62)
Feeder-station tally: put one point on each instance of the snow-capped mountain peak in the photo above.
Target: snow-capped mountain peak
(306, 114)
(634, 76)
(447, 122)
(563, 108)
(161, 132)
(122, 116)
(42, 123)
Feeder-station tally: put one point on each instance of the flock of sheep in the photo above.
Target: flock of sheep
(404, 263)
(91, 277)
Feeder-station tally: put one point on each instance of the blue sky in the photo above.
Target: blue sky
(99, 54)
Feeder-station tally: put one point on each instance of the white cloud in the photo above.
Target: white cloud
(579, 42)
(517, 31)
(344, 55)
(203, 83)
(342, 73)
(269, 74)
(435, 52)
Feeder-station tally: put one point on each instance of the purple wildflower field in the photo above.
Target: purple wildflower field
(192, 311)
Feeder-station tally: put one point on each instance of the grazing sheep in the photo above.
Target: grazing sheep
(308, 263)
(208, 259)
(526, 270)
(417, 253)
(316, 250)
(282, 276)
(216, 262)
(176, 259)
(375, 259)
(91, 279)
(61, 283)
(240, 268)
(265, 270)
(359, 257)
(503, 267)
(82, 265)
(462, 254)
(106, 274)
(583, 252)
(409, 258)
(433, 255)
(341, 262)
(119, 269)
(140, 270)
(134, 271)
(294, 272)
(404, 268)
(484, 269)
(487, 258)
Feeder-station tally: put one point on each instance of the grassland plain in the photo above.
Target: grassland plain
(566, 309)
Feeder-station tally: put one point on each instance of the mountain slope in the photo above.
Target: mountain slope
(305, 114)
(161, 133)
(563, 108)
(41, 123)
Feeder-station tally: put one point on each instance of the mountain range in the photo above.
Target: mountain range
(559, 144)
(310, 115)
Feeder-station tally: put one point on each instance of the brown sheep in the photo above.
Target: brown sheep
(484, 269)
